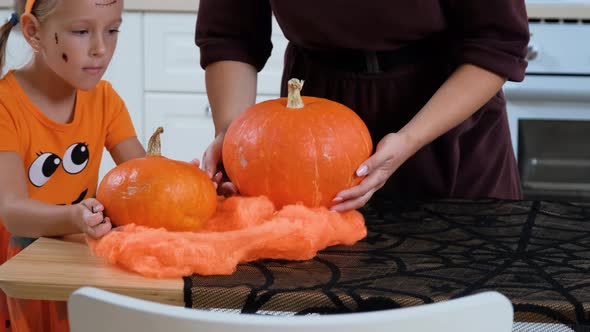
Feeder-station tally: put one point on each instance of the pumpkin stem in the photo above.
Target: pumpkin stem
(154, 146)
(294, 98)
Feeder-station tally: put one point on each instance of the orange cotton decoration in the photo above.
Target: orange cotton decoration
(158, 192)
(296, 149)
(243, 230)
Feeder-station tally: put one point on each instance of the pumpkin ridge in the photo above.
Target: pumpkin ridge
(316, 196)
(274, 137)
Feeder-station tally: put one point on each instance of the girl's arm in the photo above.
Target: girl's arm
(27, 217)
(128, 149)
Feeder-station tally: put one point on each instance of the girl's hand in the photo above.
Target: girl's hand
(211, 162)
(393, 150)
(90, 219)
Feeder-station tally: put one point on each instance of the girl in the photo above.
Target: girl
(56, 116)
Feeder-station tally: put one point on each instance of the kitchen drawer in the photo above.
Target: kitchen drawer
(186, 118)
(187, 122)
(172, 58)
(550, 53)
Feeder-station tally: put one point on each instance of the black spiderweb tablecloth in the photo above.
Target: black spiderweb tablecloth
(536, 253)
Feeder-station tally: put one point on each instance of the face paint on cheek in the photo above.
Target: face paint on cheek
(105, 3)
(65, 57)
(56, 39)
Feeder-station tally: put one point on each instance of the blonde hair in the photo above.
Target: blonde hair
(41, 10)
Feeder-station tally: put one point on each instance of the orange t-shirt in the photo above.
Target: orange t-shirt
(61, 160)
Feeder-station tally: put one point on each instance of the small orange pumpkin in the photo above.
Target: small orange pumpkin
(158, 192)
(296, 149)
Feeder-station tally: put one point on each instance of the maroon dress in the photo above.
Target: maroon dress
(412, 47)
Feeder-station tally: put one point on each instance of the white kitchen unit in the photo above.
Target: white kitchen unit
(175, 94)
(172, 59)
(187, 120)
(549, 112)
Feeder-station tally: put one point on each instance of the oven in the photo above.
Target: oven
(549, 112)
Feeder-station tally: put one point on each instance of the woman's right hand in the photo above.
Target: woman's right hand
(213, 165)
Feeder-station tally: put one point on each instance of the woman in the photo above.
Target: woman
(425, 76)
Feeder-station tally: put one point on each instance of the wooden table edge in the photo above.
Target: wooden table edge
(26, 289)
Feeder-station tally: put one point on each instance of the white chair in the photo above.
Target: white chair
(95, 310)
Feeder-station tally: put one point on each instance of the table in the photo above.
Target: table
(537, 253)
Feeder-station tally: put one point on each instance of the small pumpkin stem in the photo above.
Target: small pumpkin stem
(294, 97)
(154, 146)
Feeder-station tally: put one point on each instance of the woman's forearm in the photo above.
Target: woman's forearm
(31, 218)
(231, 88)
(465, 91)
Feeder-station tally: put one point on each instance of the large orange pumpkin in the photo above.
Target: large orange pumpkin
(158, 192)
(296, 149)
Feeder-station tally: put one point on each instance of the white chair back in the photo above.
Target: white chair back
(94, 310)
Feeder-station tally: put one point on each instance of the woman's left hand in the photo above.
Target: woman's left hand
(393, 150)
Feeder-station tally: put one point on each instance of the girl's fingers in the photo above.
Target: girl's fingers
(97, 208)
(100, 229)
(103, 228)
(94, 219)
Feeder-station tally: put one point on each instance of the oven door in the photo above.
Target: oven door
(549, 119)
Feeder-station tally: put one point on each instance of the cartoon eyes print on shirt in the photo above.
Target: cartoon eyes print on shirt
(43, 168)
(76, 158)
(74, 161)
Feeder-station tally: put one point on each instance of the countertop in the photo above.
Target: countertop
(577, 9)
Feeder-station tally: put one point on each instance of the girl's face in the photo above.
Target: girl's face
(78, 39)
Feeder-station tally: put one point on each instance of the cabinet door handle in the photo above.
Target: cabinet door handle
(532, 53)
(208, 110)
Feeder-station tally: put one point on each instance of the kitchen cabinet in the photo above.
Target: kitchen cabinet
(186, 118)
(175, 94)
(172, 59)
(187, 122)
